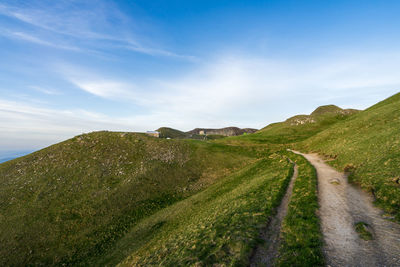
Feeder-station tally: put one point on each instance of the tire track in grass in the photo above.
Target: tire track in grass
(301, 236)
(266, 253)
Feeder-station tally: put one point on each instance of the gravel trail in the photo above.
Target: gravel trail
(342, 205)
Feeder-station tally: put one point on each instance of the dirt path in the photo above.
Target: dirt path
(265, 254)
(341, 206)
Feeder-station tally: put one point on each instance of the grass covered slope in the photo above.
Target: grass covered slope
(71, 202)
(299, 127)
(216, 227)
(367, 145)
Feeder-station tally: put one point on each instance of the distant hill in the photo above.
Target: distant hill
(166, 132)
(300, 127)
(332, 109)
(228, 131)
(200, 133)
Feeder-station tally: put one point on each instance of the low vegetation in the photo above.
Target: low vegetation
(217, 227)
(363, 231)
(301, 235)
(72, 201)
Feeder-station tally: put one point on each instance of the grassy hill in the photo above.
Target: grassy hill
(296, 128)
(71, 202)
(367, 145)
(109, 198)
(301, 127)
(219, 226)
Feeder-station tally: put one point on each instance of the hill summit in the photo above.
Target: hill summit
(332, 109)
(321, 113)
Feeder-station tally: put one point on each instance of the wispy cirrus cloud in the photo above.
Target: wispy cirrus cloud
(30, 38)
(36, 40)
(98, 84)
(105, 88)
(45, 90)
(66, 18)
(87, 23)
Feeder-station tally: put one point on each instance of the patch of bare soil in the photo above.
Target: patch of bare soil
(342, 206)
(265, 254)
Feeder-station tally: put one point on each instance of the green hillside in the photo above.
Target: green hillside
(301, 127)
(367, 145)
(71, 202)
(296, 128)
(217, 227)
(107, 198)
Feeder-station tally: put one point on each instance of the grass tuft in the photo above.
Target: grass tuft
(363, 231)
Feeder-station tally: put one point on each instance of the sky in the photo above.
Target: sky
(72, 67)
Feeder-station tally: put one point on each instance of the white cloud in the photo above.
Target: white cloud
(155, 51)
(37, 40)
(44, 90)
(30, 38)
(105, 89)
(97, 84)
(64, 17)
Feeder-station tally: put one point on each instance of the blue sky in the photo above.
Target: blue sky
(69, 67)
